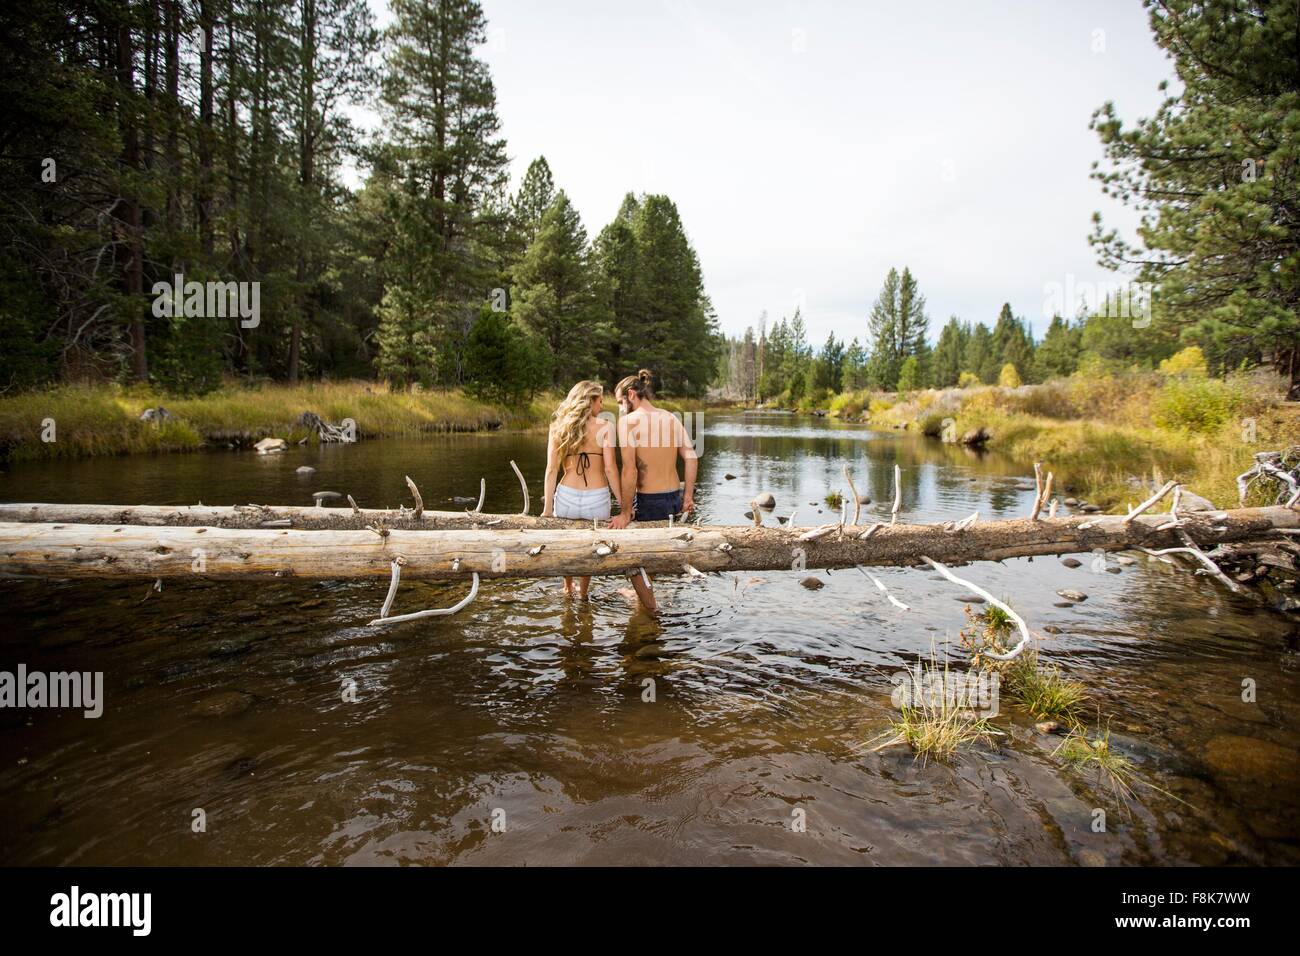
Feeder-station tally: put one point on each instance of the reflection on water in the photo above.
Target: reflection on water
(599, 734)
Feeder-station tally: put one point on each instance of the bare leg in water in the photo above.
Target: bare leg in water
(641, 584)
(584, 584)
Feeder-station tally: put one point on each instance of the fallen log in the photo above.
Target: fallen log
(121, 550)
(260, 516)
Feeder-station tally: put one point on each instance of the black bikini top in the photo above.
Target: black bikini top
(584, 465)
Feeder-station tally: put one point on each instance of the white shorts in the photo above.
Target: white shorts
(586, 503)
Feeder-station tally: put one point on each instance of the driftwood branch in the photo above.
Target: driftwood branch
(431, 612)
(415, 493)
(1020, 622)
(898, 494)
(857, 502)
(522, 484)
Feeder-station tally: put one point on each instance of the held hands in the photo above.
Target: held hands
(620, 520)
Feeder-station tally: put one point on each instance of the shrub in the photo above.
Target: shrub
(969, 380)
(931, 423)
(1190, 361)
(1009, 377)
(1196, 404)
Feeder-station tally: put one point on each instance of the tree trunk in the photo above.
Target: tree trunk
(203, 198)
(88, 551)
(129, 216)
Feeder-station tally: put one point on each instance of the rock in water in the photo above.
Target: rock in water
(1192, 502)
(1071, 502)
(225, 704)
(1253, 761)
(729, 476)
(1075, 596)
(765, 500)
(268, 445)
(1071, 562)
(306, 470)
(813, 584)
(1047, 727)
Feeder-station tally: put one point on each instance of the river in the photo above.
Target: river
(264, 723)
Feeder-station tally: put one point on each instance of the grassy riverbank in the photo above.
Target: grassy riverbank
(1107, 436)
(94, 420)
(88, 420)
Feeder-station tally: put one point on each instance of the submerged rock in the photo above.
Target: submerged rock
(1074, 596)
(1249, 759)
(224, 704)
(1071, 562)
(813, 584)
(1194, 502)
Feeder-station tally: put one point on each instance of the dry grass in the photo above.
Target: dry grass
(936, 725)
(104, 420)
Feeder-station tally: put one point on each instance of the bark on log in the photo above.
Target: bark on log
(81, 550)
(302, 518)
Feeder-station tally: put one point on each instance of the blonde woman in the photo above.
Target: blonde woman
(580, 465)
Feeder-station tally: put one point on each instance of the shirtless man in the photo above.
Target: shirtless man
(651, 440)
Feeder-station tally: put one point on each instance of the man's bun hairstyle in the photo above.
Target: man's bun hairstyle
(641, 383)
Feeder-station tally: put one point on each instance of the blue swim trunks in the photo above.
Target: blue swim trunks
(657, 506)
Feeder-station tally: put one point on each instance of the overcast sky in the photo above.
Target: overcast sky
(811, 146)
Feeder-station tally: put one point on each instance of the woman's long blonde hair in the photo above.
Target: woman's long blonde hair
(569, 423)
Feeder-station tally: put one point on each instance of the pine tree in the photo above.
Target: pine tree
(441, 110)
(979, 358)
(1057, 356)
(947, 361)
(883, 330)
(898, 327)
(1013, 343)
(555, 294)
(536, 193)
(1214, 173)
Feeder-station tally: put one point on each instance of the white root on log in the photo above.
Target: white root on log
(433, 612)
(1020, 622)
(392, 585)
(857, 501)
(816, 533)
(898, 494)
(1043, 496)
(415, 493)
(883, 590)
(1168, 487)
(522, 484)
